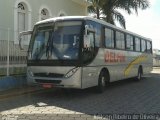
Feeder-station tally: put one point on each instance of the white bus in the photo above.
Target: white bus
(81, 52)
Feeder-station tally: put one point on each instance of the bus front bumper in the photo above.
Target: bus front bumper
(73, 81)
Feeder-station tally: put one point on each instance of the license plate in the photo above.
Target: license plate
(47, 85)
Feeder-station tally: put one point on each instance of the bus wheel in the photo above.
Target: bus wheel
(101, 82)
(139, 77)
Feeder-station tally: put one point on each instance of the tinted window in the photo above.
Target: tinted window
(149, 47)
(89, 52)
(129, 42)
(62, 43)
(137, 44)
(97, 27)
(143, 45)
(120, 42)
(109, 38)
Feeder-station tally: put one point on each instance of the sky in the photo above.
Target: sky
(146, 23)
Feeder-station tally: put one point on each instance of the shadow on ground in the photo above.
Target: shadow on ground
(127, 96)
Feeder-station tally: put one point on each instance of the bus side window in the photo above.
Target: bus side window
(120, 41)
(129, 42)
(137, 44)
(89, 48)
(143, 45)
(98, 31)
(109, 38)
(149, 47)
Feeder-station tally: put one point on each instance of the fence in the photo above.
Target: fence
(12, 59)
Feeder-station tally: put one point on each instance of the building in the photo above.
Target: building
(21, 15)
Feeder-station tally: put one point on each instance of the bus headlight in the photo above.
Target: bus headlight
(71, 72)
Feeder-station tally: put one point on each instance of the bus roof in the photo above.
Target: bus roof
(89, 18)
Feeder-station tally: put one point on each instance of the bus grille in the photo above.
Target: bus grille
(48, 81)
(52, 75)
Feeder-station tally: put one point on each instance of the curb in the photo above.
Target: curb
(156, 67)
(11, 82)
(19, 91)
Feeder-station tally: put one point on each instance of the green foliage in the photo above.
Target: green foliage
(109, 9)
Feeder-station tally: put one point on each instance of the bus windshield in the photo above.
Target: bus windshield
(60, 42)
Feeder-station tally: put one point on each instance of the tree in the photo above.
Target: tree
(109, 9)
(96, 7)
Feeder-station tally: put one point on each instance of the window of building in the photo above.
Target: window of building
(129, 42)
(109, 38)
(44, 14)
(143, 45)
(120, 42)
(22, 10)
(137, 44)
(22, 19)
(62, 13)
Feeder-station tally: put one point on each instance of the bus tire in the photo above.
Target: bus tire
(139, 76)
(101, 82)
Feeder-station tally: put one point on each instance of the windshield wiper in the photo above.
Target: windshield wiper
(49, 45)
(38, 54)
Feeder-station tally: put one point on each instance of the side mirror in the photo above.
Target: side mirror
(21, 34)
(86, 41)
(86, 29)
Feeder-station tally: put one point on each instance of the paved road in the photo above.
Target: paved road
(120, 98)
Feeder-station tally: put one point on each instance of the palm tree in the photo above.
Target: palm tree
(109, 9)
(96, 7)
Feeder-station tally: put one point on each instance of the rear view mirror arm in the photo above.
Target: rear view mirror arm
(20, 37)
